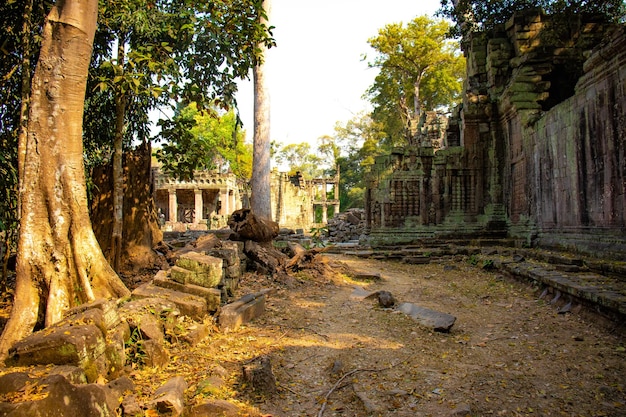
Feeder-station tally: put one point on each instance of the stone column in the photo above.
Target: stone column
(224, 209)
(232, 202)
(324, 213)
(173, 211)
(197, 215)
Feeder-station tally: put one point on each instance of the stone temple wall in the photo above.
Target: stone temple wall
(535, 153)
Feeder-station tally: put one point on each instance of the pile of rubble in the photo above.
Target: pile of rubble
(104, 339)
(347, 226)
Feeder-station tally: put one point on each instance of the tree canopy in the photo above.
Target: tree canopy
(420, 69)
(204, 140)
(480, 15)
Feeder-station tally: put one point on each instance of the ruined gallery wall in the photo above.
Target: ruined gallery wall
(291, 201)
(563, 165)
(580, 144)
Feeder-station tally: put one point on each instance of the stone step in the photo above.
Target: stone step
(188, 304)
(212, 296)
(607, 293)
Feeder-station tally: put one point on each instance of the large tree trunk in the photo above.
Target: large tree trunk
(260, 200)
(141, 233)
(59, 262)
(248, 226)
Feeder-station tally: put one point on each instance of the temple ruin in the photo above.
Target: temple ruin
(206, 201)
(534, 155)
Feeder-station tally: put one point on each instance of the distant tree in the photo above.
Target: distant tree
(260, 200)
(419, 69)
(360, 140)
(204, 140)
(300, 158)
(481, 15)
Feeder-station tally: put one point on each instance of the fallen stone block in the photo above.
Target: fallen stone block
(215, 408)
(155, 354)
(82, 346)
(230, 256)
(196, 334)
(13, 382)
(212, 296)
(66, 399)
(248, 307)
(439, 322)
(207, 269)
(181, 275)
(189, 305)
(108, 308)
(170, 397)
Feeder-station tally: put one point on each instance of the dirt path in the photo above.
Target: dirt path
(508, 354)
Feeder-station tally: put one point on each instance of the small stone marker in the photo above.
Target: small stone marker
(439, 322)
(242, 311)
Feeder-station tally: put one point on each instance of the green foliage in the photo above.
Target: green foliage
(317, 235)
(472, 260)
(135, 351)
(420, 69)
(483, 15)
(174, 53)
(360, 140)
(300, 158)
(489, 265)
(203, 141)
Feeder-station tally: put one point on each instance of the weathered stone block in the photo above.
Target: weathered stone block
(189, 305)
(213, 296)
(66, 399)
(107, 307)
(208, 269)
(214, 408)
(439, 322)
(228, 255)
(181, 275)
(259, 375)
(170, 397)
(82, 346)
(247, 308)
(156, 355)
(196, 334)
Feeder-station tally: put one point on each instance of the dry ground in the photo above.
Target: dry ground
(508, 353)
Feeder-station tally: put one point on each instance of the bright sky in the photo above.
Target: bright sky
(315, 75)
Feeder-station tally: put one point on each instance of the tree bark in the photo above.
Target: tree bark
(260, 200)
(115, 255)
(141, 232)
(59, 262)
(248, 226)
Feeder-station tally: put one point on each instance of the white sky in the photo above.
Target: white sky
(315, 75)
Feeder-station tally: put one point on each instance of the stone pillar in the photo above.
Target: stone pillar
(197, 215)
(224, 208)
(232, 202)
(173, 211)
(324, 213)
